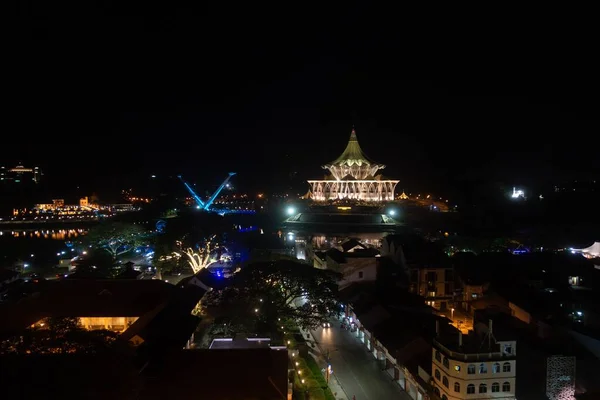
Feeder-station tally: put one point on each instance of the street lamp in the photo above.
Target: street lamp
(452, 310)
(328, 370)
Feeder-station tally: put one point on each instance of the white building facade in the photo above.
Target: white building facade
(471, 376)
(353, 177)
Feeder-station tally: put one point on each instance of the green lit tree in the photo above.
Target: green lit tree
(116, 238)
(270, 292)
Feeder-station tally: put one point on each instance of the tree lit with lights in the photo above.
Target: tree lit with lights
(199, 259)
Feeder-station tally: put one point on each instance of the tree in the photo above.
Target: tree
(97, 263)
(199, 259)
(116, 238)
(165, 259)
(62, 325)
(271, 292)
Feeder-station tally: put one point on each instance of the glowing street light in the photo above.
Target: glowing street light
(291, 211)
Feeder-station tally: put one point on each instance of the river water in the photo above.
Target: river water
(40, 249)
(37, 248)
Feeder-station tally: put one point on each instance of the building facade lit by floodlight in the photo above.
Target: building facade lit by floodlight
(353, 177)
(517, 193)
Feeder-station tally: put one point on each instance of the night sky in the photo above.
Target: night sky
(110, 95)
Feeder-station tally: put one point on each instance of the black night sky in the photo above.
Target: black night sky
(110, 95)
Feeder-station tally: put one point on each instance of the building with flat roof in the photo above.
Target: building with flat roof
(224, 374)
(243, 342)
(475, 366)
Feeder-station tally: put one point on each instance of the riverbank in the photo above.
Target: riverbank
(20, 225)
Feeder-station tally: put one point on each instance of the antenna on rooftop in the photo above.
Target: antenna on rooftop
(489, 335)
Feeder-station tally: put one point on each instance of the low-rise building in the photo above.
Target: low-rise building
(355, 261)
(396, 334)
(434, 282)
(219, 374)
(98, 304)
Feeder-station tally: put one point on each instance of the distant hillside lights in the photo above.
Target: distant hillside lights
(427, 200)
(20, 174)
(140, 199)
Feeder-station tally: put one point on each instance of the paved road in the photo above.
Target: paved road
(357, 371)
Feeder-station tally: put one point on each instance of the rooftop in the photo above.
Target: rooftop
(240, 342)
(85, 298)
(341, 257)
(218, 375)
(352, 155)
(483, 344)
(365, 296)
(7, 274)
(340, 218)
(173, 324)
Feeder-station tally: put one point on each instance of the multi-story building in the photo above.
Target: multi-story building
(435, 283)
(475, 366)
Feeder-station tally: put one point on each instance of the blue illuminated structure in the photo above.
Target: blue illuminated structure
(216, 193)
(207, 205)
(193, 193)
(161, 225)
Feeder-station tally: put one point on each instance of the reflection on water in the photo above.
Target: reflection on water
(305, 243)
(323, 242)
(55, 234)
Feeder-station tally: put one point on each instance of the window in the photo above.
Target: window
(446, 363)
(447, 289)
(471, 369)
(471, 389)
(507, 349)
(445, 381)
(431, 277)
(457, 387)
(482, 388)
(506, 367)
(360, 274)
(482, 368)
(436, 391)
(496, 368)
(444, 397)
(438, 356)
(437, 374)
(506, 387)
(413, 275)
(495, 387)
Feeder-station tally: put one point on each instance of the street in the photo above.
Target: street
(357, 371)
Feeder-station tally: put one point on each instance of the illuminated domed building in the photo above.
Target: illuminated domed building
(353, 176)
